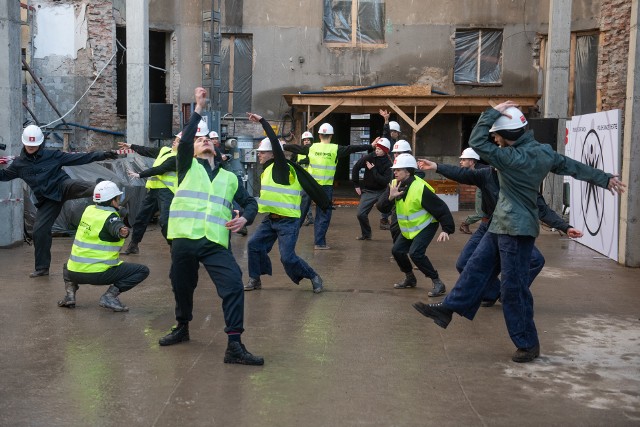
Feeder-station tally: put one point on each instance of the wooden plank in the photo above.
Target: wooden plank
(354, 22)
(389, 91)
(324, 114)
(431, 115)
(401, 114)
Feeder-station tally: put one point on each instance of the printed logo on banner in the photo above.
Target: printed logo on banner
(593, 139)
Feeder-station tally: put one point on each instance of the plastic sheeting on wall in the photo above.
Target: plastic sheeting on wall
(242, 74)
(337, 21)
(584, 99)
(478, 57)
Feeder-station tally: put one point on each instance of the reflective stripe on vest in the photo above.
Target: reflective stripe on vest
(166, 180)
(89, 254)
(280, 199)
(322, 162)
(412, 218)
(201, 207)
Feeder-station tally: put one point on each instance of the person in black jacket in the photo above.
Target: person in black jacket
(377, 176)
(486, 179)
(419, 212)
(42, 170)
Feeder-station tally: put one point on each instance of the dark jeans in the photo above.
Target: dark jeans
(124, 276)
(416, 249)
(394, 227)
(186, 256)
(305, 205)
(368, 199)
(156, 198)
(46, 215)
(492, 291)
(511, 256)
(323, 219)
(285, 230)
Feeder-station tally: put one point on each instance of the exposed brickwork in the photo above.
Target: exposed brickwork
(613, 53)
(102, 45)
(466, 197)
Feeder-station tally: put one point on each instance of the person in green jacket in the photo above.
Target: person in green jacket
(522, 164)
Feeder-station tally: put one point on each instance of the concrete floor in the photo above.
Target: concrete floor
(357, 354)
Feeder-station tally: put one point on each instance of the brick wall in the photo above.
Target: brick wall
(613, 53)
(102, 96)
(466, 197)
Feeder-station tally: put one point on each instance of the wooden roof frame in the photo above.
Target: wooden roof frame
(404, 103)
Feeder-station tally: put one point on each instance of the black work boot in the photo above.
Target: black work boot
(317, 284)
(132, 248)
(178, 334)
(39, 272)
(409, 282)
(253, 284)
(110, 300)
(440, 313)
(384, 224)
(438, 288)
(69, 299)
(524, 355)
(237, 353)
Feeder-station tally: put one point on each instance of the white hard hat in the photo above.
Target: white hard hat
(213, 134)
(401, 146)
(32, 136)
(516, 121)
(326, 129)
(405, 161)
(265, 145)
(307, 135)
(203, 129)
(179, 135)
(385, 143)
(105, 191)
(469, 153)
(394, 126)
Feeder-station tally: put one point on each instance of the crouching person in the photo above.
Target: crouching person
(94, 254)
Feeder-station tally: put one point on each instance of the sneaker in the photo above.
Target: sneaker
(409, 281)
(39, 272)
(321, 247)
(384, 224)
(308, 220)
(524, 355)
(178, 334)
(237, 353)
(438, 288)
(253, 284)
(363, 238)
(440, 313)
(317, 284)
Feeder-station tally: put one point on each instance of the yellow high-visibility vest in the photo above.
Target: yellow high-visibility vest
(277, 198)
(322, 162)
(412, 217)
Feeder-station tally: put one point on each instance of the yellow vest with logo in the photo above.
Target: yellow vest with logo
(166, 180)
(277, 198)
(412, 218)
(322, 162)
(201, 207)
(89, 254)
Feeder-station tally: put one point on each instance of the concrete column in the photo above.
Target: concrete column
(556, 90)
(629, 245)
(11, 194)
(138, 72)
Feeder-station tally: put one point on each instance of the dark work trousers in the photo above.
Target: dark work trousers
(46, 215)
(186, 256)
(285, 230)
(156, 199)
(124, 276)
(416, 249)
(394, 227)
(368, 199)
